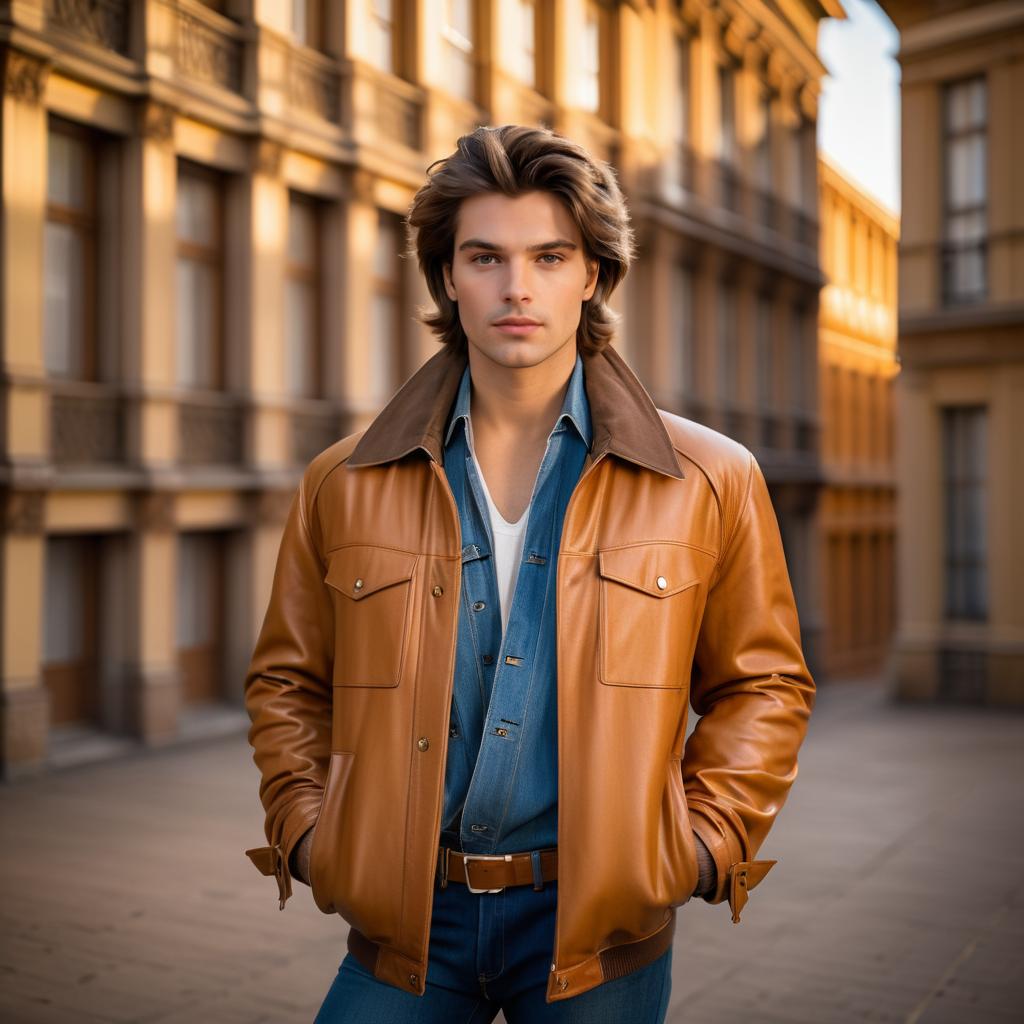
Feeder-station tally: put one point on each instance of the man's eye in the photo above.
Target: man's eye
(484, 256)
(554, 256)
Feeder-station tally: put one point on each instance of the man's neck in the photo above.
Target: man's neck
(522, 401)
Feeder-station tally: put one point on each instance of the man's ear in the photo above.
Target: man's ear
(446, 271)
(593, 266)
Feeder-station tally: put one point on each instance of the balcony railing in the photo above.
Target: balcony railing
(964, 272)
(204, 45)
(767, 209)
(728, 186)
(312, 432)
(103, 22)
(210, 429)
(314, 84)
(86, 423)
(805, 230)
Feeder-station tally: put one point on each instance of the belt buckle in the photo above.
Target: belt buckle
(467, 857)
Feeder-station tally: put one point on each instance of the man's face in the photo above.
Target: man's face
(522, 258)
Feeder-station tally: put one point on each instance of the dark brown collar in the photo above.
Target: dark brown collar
(622, 414)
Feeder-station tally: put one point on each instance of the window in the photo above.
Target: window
(200, 615)
(681, 92)
(380, 19)
(304, 22)
(964, 445)
(765, 364)
(69, 254)
(802, 354)
(727, 114)
(385, 343)
(965, 277)
(198, 218)
(524, 51)
(797, 172)
(590, 60)
(727, 325)
(764, 142)
(681, 341)
(72, 627)
(458, 33)
(302, 300)
(680, 106)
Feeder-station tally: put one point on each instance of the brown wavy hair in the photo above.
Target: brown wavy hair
(513, 159)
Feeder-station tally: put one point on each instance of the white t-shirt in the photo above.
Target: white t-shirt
(508, 547)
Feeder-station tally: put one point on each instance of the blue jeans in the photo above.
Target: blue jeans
(491, 952)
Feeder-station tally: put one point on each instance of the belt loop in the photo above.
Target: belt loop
(538, 877)
(442, 862)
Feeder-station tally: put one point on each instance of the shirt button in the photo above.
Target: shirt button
(662, 583)
(358, 585)
(423, 743)
(478, 606)
(488, 658)
(453, 731)
(437, 591)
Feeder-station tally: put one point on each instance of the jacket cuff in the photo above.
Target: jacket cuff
(274, 859)
(735, 876)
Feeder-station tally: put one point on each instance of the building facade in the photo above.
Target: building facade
(857, 371)
(961, 342)
(203, 286)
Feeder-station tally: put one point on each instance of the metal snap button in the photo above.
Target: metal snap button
(662, 582)
(437, 591)
(358, 585)
(414, 979)
(478, 606)
(423, 743)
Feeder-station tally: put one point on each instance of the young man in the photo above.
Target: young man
(490, 611)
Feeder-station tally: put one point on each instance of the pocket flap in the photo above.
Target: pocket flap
(660, 570)
(362, 569)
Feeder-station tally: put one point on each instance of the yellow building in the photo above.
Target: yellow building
(961, 341)
(202, 287)
(857, 368)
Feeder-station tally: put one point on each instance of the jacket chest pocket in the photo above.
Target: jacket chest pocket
(649, 609)
(372, 607)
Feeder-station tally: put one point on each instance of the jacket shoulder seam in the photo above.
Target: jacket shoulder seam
(316, 474)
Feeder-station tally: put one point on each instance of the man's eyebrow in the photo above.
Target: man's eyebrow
(480, 243)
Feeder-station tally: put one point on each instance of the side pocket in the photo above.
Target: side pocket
(680, 860)
(325, 852)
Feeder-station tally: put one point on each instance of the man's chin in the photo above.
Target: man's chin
(517, 352)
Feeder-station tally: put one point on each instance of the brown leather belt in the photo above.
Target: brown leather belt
(493, 872)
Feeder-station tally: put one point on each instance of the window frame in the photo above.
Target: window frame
(213, 255)
(951, 250)
(85, 223)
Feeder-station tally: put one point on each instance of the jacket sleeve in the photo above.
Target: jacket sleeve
(752, 688)
(288, 695)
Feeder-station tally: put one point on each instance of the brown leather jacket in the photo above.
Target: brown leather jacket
(672, 587)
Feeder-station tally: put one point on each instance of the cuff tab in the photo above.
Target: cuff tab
(743, 876)
(269, 860)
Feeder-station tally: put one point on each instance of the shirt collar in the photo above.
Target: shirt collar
(575, 407)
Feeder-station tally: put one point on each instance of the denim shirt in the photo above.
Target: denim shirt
(501, 775)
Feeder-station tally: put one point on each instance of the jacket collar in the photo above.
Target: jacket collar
(623, 416)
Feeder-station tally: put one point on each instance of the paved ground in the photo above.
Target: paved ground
(127, 897)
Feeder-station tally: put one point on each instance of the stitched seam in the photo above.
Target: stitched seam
(739, 516)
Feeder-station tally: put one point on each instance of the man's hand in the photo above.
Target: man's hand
(298, 863)
(708, 877)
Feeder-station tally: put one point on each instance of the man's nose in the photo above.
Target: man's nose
(517, 284)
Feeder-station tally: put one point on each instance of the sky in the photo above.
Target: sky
(859, 109)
